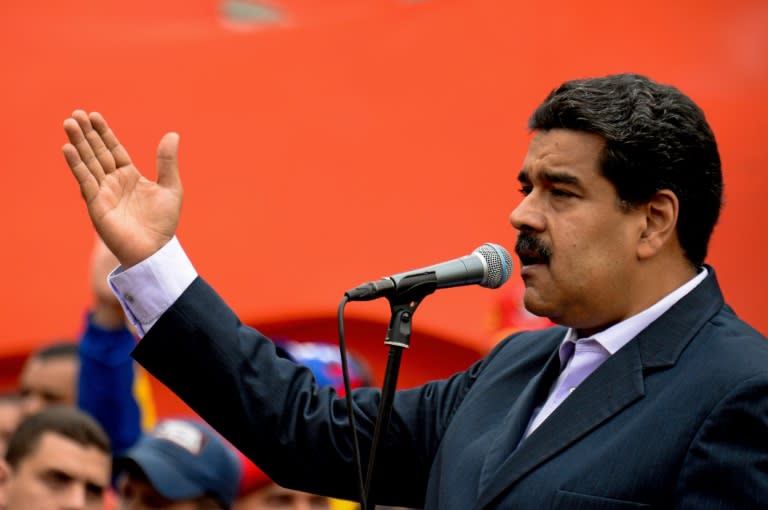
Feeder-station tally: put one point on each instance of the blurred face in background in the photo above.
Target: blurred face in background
(134, 492)
(274, 497)
(45, 382)
(59, 474)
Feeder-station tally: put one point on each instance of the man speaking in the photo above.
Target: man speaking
(650, 392)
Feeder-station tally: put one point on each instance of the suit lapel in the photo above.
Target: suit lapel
(516, 421)
(616, 384)
(619, 382)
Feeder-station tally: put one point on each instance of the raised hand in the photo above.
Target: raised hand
(133, 215)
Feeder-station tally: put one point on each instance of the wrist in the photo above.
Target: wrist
(108, 317)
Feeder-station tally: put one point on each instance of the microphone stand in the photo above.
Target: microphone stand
(411, 291)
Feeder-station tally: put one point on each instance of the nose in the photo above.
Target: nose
(31, 404)
(74, 497)
(527, 215)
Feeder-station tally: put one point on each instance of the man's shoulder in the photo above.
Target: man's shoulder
(727, 323)
(730, 338)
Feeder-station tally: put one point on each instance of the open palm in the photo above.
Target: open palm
(133, 215)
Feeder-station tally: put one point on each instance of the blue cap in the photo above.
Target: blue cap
(185, 459)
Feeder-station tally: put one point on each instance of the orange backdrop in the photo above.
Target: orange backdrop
(328, 143)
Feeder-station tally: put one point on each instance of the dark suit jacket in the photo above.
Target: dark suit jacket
(677, 419)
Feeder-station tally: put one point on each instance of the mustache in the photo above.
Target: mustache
(529, 247)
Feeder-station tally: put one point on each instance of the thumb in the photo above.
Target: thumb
(168, 161)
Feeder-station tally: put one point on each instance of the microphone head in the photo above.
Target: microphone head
(499, 263)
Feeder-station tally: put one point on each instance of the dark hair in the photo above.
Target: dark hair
(655, 138)
(65, 421)
(59, 349)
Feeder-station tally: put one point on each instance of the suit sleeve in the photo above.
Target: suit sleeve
(271, 409)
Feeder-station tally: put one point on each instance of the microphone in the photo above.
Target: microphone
(490, 265)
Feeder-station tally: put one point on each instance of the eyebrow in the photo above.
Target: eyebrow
(68, 478)
(550, 176)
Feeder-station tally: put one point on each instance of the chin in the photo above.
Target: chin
(537, 307)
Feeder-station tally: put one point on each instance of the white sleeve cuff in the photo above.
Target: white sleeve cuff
(149, 288)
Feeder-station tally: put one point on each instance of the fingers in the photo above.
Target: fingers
(98, 148)
(107, 137)
(89, 186)
(83, 137)
(168, 161)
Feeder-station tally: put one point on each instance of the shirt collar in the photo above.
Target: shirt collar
(618, 335)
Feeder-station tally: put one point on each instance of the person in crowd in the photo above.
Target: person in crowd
(258, 492)
(181, 464)
(49, 377)
(57, 459)
(111, 386)
(649, 393)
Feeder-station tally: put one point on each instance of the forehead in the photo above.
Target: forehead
(55, 452)
(563, 152)
(47, 370)
(135, 488)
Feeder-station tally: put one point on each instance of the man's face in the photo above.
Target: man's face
(60, 474)
(577, 246)
(47, 382)
(138, 494)
(274, 497)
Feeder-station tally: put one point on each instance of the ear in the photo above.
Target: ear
(660, 223)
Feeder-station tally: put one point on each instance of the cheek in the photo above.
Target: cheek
(584, 262)
(22, 494)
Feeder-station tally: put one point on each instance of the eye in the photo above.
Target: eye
(51, 398)
(525, 189)
(95, 492)
(561, 193)
(56, 480)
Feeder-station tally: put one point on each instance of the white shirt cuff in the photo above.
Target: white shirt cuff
(149, 288)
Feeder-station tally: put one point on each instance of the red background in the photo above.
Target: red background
(329, 143)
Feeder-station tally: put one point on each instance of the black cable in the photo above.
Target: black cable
(348, 398)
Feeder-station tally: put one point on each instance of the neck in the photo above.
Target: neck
(651, 285)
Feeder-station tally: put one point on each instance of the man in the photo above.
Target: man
(651, 392)
(180, 465)
(261, 493)
(49, 377)
(111, 387)
(57, 459)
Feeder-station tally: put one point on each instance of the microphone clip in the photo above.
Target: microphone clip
(411, 288)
